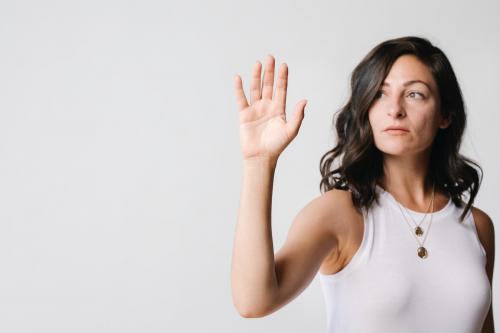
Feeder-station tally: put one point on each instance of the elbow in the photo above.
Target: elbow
(252, 304)
(250, 313)
(248, 310)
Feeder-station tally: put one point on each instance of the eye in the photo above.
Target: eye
(377, 95)
(415, 92)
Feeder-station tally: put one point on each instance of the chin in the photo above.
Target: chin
(396, 150)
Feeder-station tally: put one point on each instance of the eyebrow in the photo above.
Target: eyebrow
(407, 83)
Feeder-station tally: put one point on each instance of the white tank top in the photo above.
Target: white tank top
(387, 287)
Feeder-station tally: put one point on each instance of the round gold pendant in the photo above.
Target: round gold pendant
(419, 231)
(422, 252)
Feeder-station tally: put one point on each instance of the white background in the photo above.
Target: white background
(120, 164)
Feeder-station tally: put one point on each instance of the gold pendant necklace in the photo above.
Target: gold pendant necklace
(421, 250)
(418, 230)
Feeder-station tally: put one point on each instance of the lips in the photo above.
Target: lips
(396, 128)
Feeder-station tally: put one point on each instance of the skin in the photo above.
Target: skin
(486, 231)
(258, 286)
(328, 230)
(406, 155)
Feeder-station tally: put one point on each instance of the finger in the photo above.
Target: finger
(293, 125)
(255, 93)
(267, 87)
(281, 85)
(241, 99)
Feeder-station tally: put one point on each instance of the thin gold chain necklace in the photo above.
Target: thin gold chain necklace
(421, 250)
(418, 230)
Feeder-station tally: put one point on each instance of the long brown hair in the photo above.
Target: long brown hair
(355, 164)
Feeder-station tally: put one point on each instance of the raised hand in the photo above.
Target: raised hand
(264, 130)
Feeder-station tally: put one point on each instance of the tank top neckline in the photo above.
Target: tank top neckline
(447, 208)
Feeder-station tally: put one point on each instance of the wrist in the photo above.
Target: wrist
(261, 161)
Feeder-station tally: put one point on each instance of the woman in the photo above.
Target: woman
(399, 173)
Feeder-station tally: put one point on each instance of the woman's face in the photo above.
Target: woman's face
(406, 103)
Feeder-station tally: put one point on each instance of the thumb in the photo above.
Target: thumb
(293, 125)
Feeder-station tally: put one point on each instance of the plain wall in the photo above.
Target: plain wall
(120, 163)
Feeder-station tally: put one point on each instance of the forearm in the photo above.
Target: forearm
(254, 282)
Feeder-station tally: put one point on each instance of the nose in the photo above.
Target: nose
(395, 108)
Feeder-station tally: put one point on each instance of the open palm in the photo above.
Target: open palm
(264, 130)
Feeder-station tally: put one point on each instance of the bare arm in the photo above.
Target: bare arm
(261, 282)
(264, 134)
(486, 231)
(253, 279)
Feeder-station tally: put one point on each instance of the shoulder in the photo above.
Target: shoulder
(484, 226)
(335, 209)
(336, 200)
(486, 232)
(480, 215)
(327, 204)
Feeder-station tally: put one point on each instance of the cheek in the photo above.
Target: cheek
(426, 122)
(424, 131)
(372, 118)
(371, 115)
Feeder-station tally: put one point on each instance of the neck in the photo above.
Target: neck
(407, 179)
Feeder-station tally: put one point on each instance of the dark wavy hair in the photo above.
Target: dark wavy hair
(360, 162)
